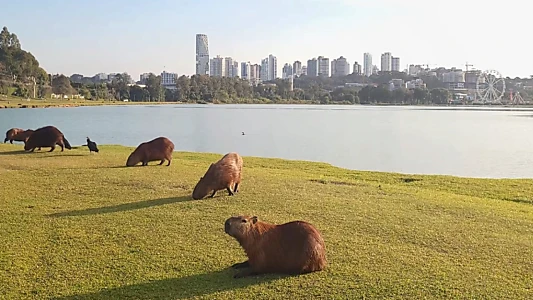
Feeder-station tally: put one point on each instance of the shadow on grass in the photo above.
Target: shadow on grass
(63, 155)
(16, 152)
(120, 207)
(178, 288)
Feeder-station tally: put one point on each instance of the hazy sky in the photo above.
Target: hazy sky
(139, 36)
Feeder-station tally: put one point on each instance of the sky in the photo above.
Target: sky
(137, 36)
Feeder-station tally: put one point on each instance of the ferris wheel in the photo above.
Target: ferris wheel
(490, 86)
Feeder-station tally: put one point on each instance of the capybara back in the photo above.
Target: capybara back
(160, 148)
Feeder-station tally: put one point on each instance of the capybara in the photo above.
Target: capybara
(48, 136)
(11, 135)
(224, 174)
(160, 148)
(291, 248)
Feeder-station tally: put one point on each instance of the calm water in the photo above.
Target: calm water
(474, 143)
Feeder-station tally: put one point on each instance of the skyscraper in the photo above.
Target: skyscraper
(367, 64)
(217, 67)
(312, 67)
(356, 68)
(287, 71)
(340, 67)
(202, 55)
(323, 66)
(229, 68)
(297, 68)
(395, 65)
(269, 68)
(386, 62)
(245, 70)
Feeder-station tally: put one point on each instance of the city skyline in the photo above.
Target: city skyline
(113, 41)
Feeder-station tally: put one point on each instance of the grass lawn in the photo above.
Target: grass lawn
(14, 102)
(81, 226)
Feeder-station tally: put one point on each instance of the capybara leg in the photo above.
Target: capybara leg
(5, 141)
(162, 161)
(145, 163)
(236, 188)
(213, 195)
(244, 264)
(169, 161)
(229, 191)
(245, 273)
(52, 148)
(11, 141)
(38, 148)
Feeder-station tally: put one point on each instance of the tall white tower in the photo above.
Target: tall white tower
(202, 55)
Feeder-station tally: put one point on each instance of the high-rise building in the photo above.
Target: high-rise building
(269, 68)
(217, 67)
(386, 62)
(367, 64)
(202, 55)
(235, 69)
(357, 68)
(304, 70)
(395, 64)
(312, 67)
(323, 66)
(287, 71)
(340, 67)
(229, 68)
(297, 68)
(255, 73)
(245, 70)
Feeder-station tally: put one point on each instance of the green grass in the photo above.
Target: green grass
(80, 226)
(16, 102)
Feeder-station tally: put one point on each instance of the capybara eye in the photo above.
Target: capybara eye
(244, 221)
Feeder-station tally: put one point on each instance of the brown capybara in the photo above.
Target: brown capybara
(48, 136)
(11, 135)
(160, 148)
(291, 248)
(23, 136)
(224, 174)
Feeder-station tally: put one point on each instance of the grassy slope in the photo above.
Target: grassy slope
(81, 226)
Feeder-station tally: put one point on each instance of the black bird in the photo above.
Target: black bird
(92, 146)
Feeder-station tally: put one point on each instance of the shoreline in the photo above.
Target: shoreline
(407, 175)
(14, 104)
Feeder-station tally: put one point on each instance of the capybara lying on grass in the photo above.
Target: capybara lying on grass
(160, 148)
(224, 174)
(291, 248)
(48, 136)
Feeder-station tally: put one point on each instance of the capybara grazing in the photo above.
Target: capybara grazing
(48, 136)
(159, 148)
(224, 174)
(11, 135)
(291, 248)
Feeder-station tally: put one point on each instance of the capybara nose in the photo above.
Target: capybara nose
(226, 226)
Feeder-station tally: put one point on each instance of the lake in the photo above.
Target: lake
(483, 142)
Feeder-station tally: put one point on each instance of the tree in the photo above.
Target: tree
(440, 96)
(8, 40)
(183, 85)
(420, 95)
(398, 95)
(61, 85)
(154, 87)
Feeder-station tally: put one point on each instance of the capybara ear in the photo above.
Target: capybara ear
(254, 219)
